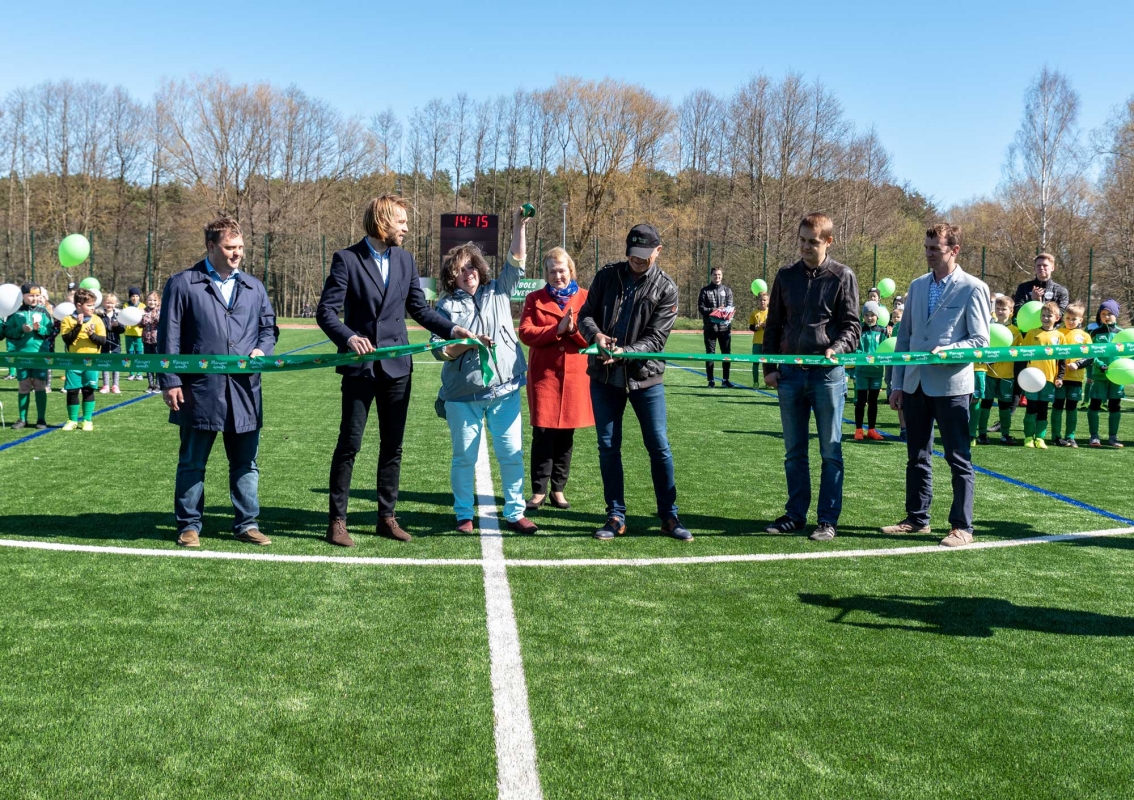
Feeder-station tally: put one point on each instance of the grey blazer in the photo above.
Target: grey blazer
(960, 320)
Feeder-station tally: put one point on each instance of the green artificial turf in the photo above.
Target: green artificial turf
(991, 673)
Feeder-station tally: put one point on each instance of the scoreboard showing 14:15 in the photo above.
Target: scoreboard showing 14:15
(483, 230)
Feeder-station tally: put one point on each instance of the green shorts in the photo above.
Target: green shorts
(999, 389)
(979, 385)
(79, 379)
(757, 349)
(1070, 390)
(24, 374)
(867, 383)
(1044, 395)
(1105, 390)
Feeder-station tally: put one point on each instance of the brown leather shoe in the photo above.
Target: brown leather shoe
(253, 536)
(389, 527)
(189, 538)
(522, 525)
(905, 526)
(957, 538)
(337, 533)
(464, 526)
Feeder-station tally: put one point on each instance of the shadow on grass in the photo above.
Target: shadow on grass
(967, 616)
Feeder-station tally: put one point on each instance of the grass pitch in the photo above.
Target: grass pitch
(989, 673)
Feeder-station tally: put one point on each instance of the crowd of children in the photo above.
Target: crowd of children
(33, 328)
(1054, 407)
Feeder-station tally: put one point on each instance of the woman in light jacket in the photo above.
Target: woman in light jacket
(559, 394)
(484, 306)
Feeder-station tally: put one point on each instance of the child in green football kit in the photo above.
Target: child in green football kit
(1070, 393)
(1102, 389)
(26, 331)
(868, 377)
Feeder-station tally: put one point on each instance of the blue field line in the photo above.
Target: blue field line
(980, 470)
(123, 404)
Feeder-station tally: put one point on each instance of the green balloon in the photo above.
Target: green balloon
(90, 283)
(1124, 336)
(1121, 371)
(1028, 317)
(759, 285)
(73, 250)
(527, 210)
(429, 294)
(887, 287)
(999, 335)
(887, 345)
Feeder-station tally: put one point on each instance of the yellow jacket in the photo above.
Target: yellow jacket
(83, 343)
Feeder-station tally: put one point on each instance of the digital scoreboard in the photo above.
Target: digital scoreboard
(483, 230)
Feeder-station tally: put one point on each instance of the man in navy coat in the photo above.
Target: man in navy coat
(216, 309)
(375, 285)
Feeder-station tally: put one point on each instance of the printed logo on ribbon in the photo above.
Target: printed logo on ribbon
(88, 362)
(978, 353)
(126, 362)
(1119, 347)
(164, 363)
(49, 361)
(203, 364)
(10, 360)
(1084, 349)
(242, 364)
(1012, 351)
(1049, 351)
(870, 359)
(279, 362)
(799, 361)
(906, 357)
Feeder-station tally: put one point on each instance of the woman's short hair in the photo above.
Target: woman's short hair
(455, 259)
(378, 218)
(554, 256)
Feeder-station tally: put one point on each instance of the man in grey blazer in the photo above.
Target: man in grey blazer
(945, 309)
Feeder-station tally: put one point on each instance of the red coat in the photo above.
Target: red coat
(559, 389)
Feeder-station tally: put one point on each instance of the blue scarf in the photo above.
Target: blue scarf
(564, 295)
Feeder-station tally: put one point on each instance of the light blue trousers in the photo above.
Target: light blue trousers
(467, 421)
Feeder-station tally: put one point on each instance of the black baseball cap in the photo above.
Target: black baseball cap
(642, 240)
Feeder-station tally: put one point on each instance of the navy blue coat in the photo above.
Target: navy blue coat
(371, 310)
(195, 319)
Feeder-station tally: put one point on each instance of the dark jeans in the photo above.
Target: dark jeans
(952, 417)
(711, 338)
(822, 390)
(390, 397)
(609, 404)
(243, 477)
(551, 458)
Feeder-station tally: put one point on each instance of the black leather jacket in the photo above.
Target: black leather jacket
(811, 310)
(711, 298)
(652, 318)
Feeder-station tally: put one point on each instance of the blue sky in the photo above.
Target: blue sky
(943, 87)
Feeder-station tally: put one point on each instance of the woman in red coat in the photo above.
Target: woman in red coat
(559, 396)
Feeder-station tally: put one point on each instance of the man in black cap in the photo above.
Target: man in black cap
(631, 307)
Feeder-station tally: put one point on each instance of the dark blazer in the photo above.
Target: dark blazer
(195, 319)
(374, 311)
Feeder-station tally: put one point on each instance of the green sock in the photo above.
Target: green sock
(1041, 428)
(1113, 419)
(73, 412)
(24, 402)
(1093, 422)
(1029, 426)
(88, 410)
(1072, 422)
(974, 418)
(1005, 422)
(41, 406)
(1056, 422)
(985, 413)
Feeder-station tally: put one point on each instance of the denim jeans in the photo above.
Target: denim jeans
(822, 390)
(609, 404)
(243, 477)
(466, 425)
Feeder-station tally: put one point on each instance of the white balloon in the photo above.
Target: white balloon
(11, 298)
(63, 310)
(130, 316)
(97, 297)
(1032, 379)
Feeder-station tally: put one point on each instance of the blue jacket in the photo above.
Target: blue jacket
(375, 311)
(195, 319)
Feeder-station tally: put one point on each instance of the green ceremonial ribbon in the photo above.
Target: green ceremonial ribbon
(984, 355)
(229, 365)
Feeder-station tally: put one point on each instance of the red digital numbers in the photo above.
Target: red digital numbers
(466, 221)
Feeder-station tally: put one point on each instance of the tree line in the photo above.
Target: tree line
(724, 177)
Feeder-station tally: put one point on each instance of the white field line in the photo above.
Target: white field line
(561, 562)
(517, 776)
